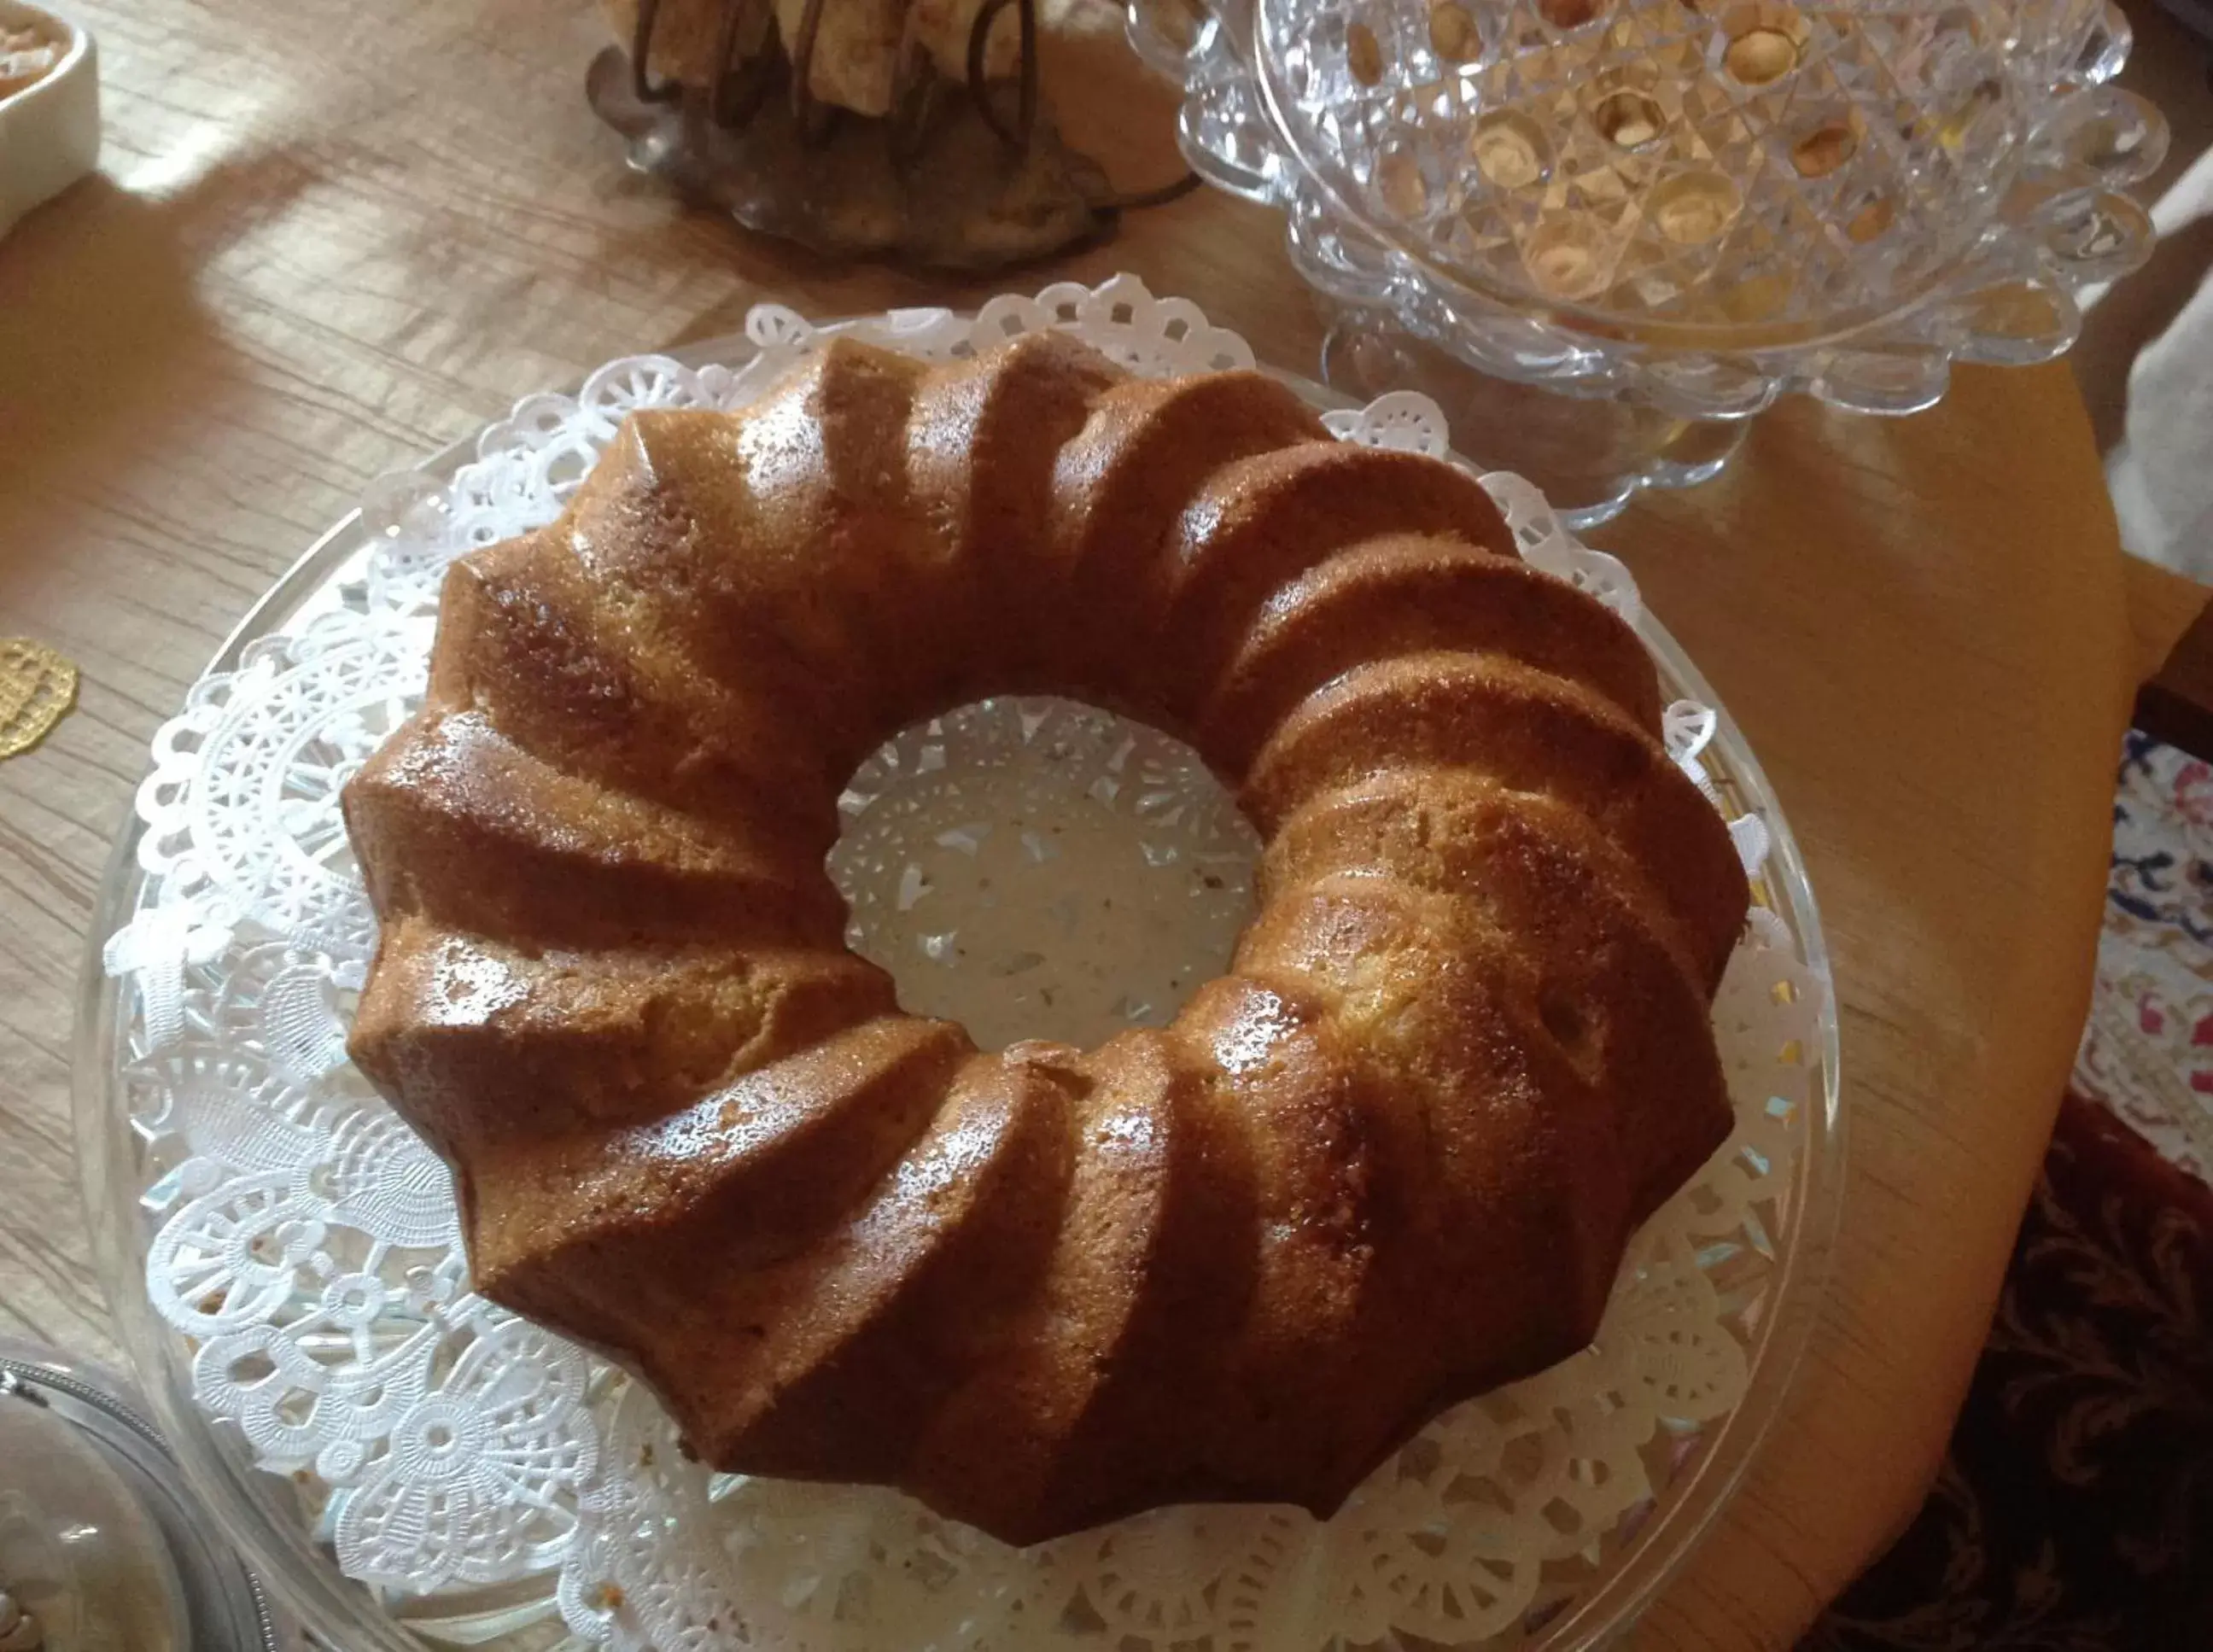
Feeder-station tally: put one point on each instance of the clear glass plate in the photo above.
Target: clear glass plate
(285, 1523)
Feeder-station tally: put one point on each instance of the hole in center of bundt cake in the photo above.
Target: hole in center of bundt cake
(1037, 868)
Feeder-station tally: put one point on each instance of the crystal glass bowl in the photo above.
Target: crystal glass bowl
(1699, 205)
(101, 1546)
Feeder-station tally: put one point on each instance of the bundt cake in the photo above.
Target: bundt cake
(1391, 1159)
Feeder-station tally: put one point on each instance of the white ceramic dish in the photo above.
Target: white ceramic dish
(50, 130)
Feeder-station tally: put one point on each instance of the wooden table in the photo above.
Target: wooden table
(333, 237)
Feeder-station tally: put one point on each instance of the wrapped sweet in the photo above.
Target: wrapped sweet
(955, 134)
(853, 56)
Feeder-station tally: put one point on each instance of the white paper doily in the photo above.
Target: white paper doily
(302, 1250)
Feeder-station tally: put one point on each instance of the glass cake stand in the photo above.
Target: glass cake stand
(406, 1464)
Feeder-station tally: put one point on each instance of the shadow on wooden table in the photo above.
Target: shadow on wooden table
(99, 323)
(100, 335)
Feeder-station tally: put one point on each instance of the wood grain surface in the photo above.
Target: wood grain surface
(331, 237)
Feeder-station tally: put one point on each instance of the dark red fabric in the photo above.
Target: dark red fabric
(2074, 1509)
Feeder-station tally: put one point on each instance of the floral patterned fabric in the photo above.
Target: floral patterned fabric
(2147, 1052)
(2075, 1510)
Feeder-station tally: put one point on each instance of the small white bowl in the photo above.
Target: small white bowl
(50, 130)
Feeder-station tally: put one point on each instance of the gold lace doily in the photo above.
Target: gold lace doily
(37, 685)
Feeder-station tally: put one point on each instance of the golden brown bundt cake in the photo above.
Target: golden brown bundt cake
(1391, 1159)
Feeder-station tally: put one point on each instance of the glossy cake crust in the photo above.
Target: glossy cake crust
(1389, 1160)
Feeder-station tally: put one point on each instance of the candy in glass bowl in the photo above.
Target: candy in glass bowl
(1682, 210)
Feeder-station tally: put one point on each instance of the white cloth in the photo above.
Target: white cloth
(2162, 471)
